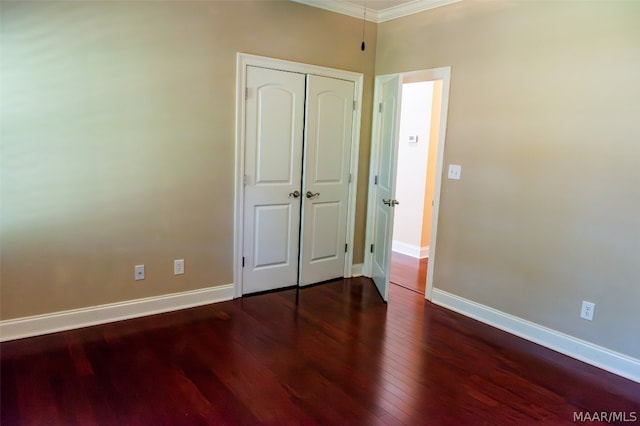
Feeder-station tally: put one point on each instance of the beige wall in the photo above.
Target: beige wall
(117, 132)
(118, 123)
(544, 119)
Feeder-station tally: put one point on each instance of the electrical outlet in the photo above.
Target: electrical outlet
(139, 272)
(587, 310)
(455, 170)
(178, 267)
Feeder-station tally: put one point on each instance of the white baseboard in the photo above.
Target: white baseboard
(66, 320)
(410, 250)
(582, 350)
(357, 270)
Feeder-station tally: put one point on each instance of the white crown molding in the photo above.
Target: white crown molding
(67, 320)
(342, 8)
(598, 356)
(373, 15)
(415, 6)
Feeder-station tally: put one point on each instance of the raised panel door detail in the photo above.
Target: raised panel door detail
(329, 154)
(382, 229)
(272, 230)
(326, 231)
(388, 144)
(276, 134)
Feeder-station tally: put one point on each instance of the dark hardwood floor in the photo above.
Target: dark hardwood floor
(408, 272)
(337, 356)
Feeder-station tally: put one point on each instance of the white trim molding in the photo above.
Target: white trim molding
(77, 318)
(357, 270)
(409, 249)
(377, 16)
(598, 356)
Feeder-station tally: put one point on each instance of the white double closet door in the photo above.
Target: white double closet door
(297, 157)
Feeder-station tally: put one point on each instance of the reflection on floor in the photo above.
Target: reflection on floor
(409, 272)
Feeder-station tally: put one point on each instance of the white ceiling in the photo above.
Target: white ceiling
(377, 10)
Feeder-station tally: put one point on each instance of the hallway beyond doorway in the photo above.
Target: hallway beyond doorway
(409, 272)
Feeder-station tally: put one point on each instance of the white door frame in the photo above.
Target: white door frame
(444, 74)
(244, 60)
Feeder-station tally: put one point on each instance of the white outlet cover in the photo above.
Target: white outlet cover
(587, 310)
(455, 170)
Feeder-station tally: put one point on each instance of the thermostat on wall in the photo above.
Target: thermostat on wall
(413, 139)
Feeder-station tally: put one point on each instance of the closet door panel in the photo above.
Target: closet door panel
(273, 168)
(328, 131)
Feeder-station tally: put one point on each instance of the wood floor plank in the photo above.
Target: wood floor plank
(331, 354)
(9, 394)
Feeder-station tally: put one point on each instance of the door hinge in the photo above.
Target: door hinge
(243, 261)
(244, 180)
(349, 177)
(371, 248)
(354, 105)
(246, 93)
(375, 180)
(380, 107)
(345, 247)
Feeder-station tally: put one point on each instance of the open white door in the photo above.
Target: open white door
(383, 170)
(273, 177)
(389, 96)
(329, 124)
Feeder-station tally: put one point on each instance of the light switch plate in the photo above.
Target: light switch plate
(178, 267)
(455, 170)
(139, 272)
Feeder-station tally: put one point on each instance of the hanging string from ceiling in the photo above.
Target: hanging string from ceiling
(364, 20)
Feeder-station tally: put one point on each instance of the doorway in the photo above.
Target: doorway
(295, 178)
(417, 152)
(412, 109)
